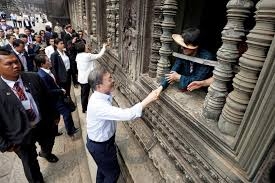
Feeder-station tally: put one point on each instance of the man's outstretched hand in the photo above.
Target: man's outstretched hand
(195, 85)
(172, 77)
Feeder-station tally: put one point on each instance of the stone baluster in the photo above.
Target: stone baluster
(227, 55)
(156, 39)
(117, 25)
(168, 24)
(251, 62)
(94, 19)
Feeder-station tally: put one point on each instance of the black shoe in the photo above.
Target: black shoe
(49, 157)
(58, 134)
(84, 111)
(73, 132)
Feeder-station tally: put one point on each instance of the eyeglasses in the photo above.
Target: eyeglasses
(3, 21)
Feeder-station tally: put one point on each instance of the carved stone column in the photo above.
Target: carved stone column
(94, 20)
(251, 62)
(116, 25)
(113, 23)
(88, 15)
(168, 24)
(84, 16)
(109, 20)
(228, 54)
(156, 39)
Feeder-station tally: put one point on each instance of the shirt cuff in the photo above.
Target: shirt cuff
(138, 109)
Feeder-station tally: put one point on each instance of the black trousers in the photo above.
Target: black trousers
(67, 116)
(44, 134)
(27, 154)
(67, 85)
(85, 91)
(74, 71)
(105, 156)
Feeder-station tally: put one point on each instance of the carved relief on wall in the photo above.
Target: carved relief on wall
(113, 24)
(129, 38)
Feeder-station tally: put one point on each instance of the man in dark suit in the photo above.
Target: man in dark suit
(56, 93)
(25, 114)
(27, 23)
(49, 34)
(21, 54)
(29, 48)
(68, 35)
(10, 38)
(3, 25)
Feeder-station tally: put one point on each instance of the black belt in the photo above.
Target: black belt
(105, 142)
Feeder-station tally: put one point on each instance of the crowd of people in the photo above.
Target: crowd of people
(37, 70)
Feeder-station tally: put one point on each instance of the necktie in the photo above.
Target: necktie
(19, 91)
(21, 95)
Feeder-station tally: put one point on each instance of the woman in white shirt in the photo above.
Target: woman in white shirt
(85, 64)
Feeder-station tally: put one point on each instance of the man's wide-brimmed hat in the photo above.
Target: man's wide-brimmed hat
(180, 41)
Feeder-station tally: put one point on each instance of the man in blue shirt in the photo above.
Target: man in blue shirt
(184, 71)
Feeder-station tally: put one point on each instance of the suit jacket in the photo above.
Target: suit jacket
(8, 47)
(58, 68)
(54, 90)
(14, 123)
(66, 39)
(30, 64)
(7, 27)
(29, 26)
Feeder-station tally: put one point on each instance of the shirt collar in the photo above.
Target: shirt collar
(60, 52)
(11, 83)
(17, 53)
(103, 96)
(46, 70)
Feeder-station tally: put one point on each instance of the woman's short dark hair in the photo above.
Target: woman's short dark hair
(191, 36)
(40, 59)
(57, 40)
(80, 46)
(96, 76)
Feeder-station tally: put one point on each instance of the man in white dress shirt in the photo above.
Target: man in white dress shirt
(101, 123)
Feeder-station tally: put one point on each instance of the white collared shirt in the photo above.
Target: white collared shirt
(48, 72)
(85, 64)
(28, 95)
(65, 59)
(22, 59)
(102, 116)
(49, 50)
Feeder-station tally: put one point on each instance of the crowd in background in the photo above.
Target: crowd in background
(38, 68)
